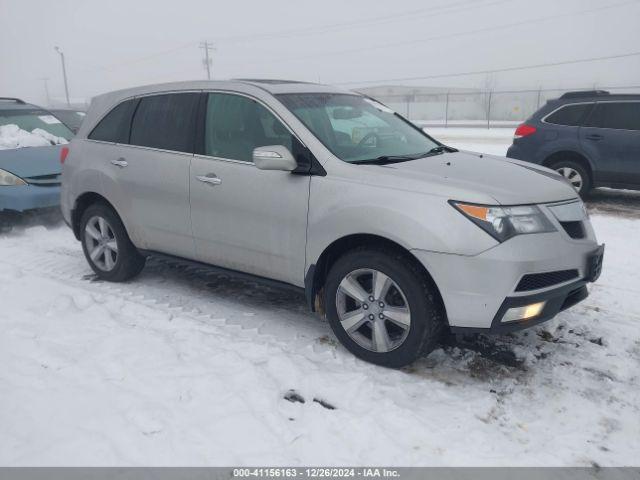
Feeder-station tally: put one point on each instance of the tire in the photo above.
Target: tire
(409, 287)
(571, 170)
(126, 262)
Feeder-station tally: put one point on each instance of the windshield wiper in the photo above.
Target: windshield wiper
(442, 149)
(385, 159)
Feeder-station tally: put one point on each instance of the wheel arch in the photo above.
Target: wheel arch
(574, 156)
(317, 273)
(81, 204)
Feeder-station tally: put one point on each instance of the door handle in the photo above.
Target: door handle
(210, 178)
(594, 137)
(121, 162)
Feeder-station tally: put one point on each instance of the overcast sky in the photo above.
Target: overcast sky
(120, 43)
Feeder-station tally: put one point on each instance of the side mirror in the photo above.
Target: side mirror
(274, 157)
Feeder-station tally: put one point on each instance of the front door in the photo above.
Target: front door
(611, 137)
(243, 218)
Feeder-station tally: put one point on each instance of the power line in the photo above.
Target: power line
(432, 12)
(497, 70)
(138, 59)
(458, 34)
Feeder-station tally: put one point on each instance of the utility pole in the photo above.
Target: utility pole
(489, 109)
(446, 112)
(207, 60)
(46, 90)
(64, 74)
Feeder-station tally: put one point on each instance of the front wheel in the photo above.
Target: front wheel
(382, 308)
(107, 246)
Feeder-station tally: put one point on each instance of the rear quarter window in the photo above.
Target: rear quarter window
(115, 125)
(569, 115)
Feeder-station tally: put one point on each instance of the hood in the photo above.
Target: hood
(31, 161)
(507, 181)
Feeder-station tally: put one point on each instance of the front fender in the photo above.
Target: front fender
(413, 220)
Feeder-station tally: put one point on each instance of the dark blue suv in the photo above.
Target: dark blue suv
(592, 138)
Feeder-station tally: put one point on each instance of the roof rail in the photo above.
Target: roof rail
(585, 93)
(13, 99)
(272, 81)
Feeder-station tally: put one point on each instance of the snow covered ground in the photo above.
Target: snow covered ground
(493, 141)
(184, 366)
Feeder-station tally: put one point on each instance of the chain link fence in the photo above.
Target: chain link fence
(474, 108)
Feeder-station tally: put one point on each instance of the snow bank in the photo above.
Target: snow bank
(12, 136)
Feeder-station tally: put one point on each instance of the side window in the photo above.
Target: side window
(166, 121)
(114, 127)
(235, 125)
(570, 115)
(622, 116)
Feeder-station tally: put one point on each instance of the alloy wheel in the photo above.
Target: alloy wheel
(373, 310)
(573, 176)
(101, 243)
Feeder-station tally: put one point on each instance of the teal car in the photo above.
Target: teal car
(31, 139)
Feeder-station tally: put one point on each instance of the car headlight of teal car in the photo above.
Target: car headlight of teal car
(9, 179)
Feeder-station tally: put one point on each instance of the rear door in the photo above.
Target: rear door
(151, 172)
(244, 218)
(611, 138)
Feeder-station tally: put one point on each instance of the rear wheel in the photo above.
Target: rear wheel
(575, 174)
(382, 308)
(107, 246)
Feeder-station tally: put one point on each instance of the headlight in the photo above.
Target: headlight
(502, 223)
(9, 179)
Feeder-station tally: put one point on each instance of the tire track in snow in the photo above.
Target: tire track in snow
(186, 291)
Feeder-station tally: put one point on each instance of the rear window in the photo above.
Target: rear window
(569, 115)
(31, 128)
(30, 120)
(166, 122)
(621, 116)
(114, 127)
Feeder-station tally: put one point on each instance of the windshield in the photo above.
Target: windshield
(31, 128)
(356, 129)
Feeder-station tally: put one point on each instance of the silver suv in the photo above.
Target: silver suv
(393, 236)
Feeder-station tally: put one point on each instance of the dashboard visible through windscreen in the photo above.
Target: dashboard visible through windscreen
(355, 128)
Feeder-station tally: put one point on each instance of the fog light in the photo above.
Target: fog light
(523, 313)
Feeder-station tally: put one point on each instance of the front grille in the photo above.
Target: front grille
(573, 229)
(52, 180)
(534, 281)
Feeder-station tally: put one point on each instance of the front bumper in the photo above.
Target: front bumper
(22, 198)
(477, 290)
(556, 301)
